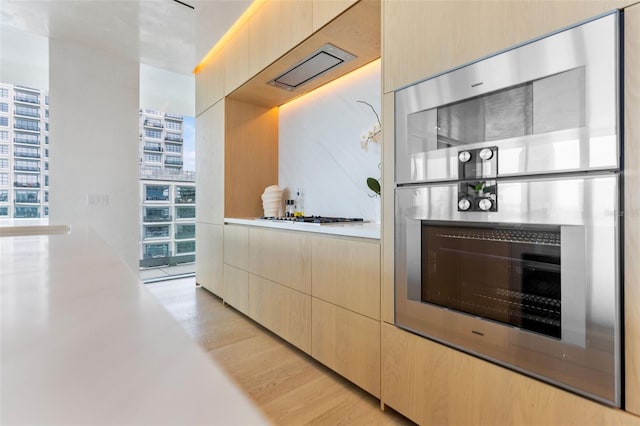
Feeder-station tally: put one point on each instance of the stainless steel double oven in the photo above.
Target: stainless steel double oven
(507, 208)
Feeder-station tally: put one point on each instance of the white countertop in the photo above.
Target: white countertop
(349, 229)
(83, 342)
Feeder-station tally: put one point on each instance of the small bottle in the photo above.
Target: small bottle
(289, 212)
(299, 207)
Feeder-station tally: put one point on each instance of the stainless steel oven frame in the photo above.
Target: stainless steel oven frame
(569, 178)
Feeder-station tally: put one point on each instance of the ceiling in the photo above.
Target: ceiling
(161, 33)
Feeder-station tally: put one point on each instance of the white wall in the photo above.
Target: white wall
(319, 146)
(24, 59)
(94, 144)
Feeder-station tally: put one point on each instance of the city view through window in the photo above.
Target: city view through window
(167, 177)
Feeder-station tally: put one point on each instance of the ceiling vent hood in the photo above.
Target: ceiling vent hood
(319, 62)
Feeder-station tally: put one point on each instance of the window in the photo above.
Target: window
(185, 212)
(46, 99)
(185, 247)
(46, 180)
(4, 135)
(4, 149)
(173, 125)
(152, 122)
(156, 231)
(4, 211)
(46, 152)
(46, 166)
(27, 181)
(154, 158)
(46, 126)
(29, 138)
(27, 97)
(4, 178)
(4, 163)
(4, 121)
(27, 197)
(46, 196)
(28, 111)
(24, 212)
(46, 211)
(185, 231)
(46, 113)
(157, 134)
(4, 92)
(25, 124)
(27, 166)
(153, 111)
(4, 107)
(157, 214)
(25, 151)
(174, 148)
(185, 195)
(157, 192)
(152, 251)
(4, 195)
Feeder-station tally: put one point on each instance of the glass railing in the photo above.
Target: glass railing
(152, 124)
(185, 235)
(27, 200)
(24, 126)
(26, 184)
(156, 234)
(173, 162)
(173, 116)
(27, 113)
(173, 139)
(30, 141)
(153, 148)
(157, 218)
(26, 168)
(26, 98)
(27, 154)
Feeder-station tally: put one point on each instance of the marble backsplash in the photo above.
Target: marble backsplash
(320, 150)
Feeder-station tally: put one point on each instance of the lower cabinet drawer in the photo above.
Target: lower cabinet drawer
(348, 343)
(284, 311)
(236, 288)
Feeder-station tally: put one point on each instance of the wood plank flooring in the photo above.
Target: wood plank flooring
(288, 386)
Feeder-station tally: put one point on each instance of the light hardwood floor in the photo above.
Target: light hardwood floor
(288, 386)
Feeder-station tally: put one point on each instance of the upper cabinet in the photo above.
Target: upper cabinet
(275, 28)
(236, 61)
(423, 38)
(209, 84)
(325, 10)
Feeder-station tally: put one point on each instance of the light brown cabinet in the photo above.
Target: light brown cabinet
(348, 343)
(209, 84)
(209, 267)
(236, 246)
(276, 28)
(326, 10)
(281, 256)
(284, 311)
(346, 273)
(236, 288)
(632, 208)
(210, 165)
(236, 61)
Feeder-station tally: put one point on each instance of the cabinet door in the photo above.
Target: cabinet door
(281, 256)
(236, 246)
(209, 271)
(282, 310)
(348, 343)
(236, 288)
(275, 29)
(210, 165)
(347, 273)
(325, 11)
(236, 63)
(209, 83)
(632, 208)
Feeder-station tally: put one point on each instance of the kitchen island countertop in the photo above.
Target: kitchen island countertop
(83, 342)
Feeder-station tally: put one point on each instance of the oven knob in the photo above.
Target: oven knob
(464, 204)
(485, 154)
(464, 156)
(485, 204)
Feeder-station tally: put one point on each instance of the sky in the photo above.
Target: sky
(189, 146)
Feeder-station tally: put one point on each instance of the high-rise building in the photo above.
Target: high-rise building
(161, 140)
(168, 194)
(24, 152)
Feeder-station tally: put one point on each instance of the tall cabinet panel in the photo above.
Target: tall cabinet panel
(209, 84)
(632, 207)
(209, 266)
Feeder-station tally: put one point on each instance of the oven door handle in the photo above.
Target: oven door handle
(573, 285)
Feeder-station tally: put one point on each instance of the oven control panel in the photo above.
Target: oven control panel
(477, 192)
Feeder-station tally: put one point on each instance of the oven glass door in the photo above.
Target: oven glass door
(510, 275)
